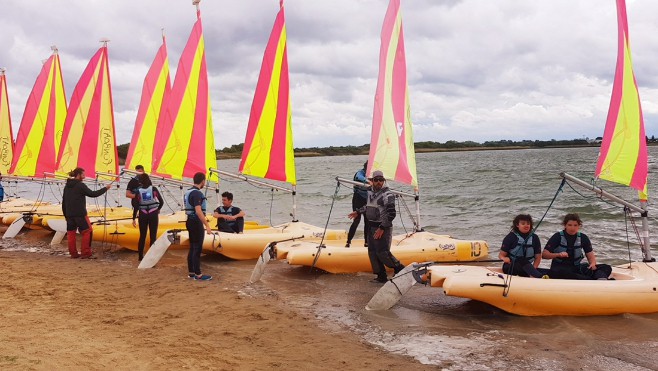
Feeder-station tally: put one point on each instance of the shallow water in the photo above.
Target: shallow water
(469, 195)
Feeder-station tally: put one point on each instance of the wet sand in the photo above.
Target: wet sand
(60, 313)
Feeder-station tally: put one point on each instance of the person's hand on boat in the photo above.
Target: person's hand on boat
(208, 230)
(108, 186)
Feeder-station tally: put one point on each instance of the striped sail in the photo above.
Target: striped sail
(190, 146)
(392, 143)
(6, 133)
(40, 133)
(148, 136)
(268, 149)
(89, 139)
(623, 154)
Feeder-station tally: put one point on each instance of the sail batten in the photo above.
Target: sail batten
(188, 151)
(623, 156)
(149, 132)
(89, 139)
(391, 143)
(268, 150)
(6, 131)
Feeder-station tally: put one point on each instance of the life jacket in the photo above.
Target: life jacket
(577, 249)
(523, 248)
(189, 209)
(225, 211)
(377, 207)
(147, 199)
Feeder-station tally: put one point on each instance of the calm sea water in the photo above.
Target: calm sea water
(469, 195)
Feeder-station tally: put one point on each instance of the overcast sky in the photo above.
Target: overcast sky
(478, 69)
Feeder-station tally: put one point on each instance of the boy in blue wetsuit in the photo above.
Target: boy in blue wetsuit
(359, 200)
(195, 208)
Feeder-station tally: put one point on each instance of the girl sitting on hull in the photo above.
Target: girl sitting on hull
(568, 247)
(521, 250)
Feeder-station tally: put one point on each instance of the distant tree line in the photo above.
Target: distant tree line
(235, 150)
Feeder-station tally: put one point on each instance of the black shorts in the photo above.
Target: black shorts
(79, 223)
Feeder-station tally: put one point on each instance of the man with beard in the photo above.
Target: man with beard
(380, 212)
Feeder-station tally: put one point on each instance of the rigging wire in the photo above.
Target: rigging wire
(321, 245)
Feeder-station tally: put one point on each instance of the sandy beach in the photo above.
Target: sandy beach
(61, 313)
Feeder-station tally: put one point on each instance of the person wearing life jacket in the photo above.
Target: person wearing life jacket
(195, 209)
(359, 199)
(149, 202)
(74, 208)
(521, 250)
(380, 212)
(2, 190)
(568, 247)
(230, 219)
(133, 184)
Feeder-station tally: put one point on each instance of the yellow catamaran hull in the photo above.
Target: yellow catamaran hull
(420, 246)
(634, 290)
(251, 243)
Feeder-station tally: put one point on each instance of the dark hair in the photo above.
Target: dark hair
(199, 177)
(569, 217)
(228, 195)
(519, 218)
(144, 180)
(365, 165)
(139, 167)
(75, 172)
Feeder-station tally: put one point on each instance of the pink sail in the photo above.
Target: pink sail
(623, 155)
(190, 144)
(40, 133)
(6, 133)
(149, 137)
(391, 142)
(268, 149)
(89, 139)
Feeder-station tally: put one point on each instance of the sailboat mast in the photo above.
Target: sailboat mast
(646, 246)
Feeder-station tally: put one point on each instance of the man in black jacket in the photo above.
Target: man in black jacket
(74, 207)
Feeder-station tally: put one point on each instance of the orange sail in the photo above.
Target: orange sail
(6, 133)
(391, 142)
(623, 156)
(89, 139)
(268, 149)
(148, 134)
(190, 145)
(40, 133)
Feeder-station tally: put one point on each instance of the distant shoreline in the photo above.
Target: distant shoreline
(228, 156)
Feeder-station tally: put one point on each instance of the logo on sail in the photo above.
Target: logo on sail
(399, 126)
